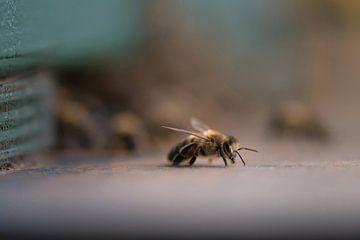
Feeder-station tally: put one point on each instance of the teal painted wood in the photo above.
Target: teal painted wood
(26, 115)
(39, 32)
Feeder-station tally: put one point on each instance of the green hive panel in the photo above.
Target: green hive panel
(26, 115)
(48, 33)
(41, 32)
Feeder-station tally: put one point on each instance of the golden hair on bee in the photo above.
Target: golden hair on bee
(205, 142)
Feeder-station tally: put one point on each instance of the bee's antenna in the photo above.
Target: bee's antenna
(249, 149)
(241, 158)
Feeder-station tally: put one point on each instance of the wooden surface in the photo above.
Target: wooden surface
(292, 189)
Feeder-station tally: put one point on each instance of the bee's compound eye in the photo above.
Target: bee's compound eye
(228, 148)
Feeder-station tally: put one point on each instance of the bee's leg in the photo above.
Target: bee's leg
(223, 156)
(193, 159)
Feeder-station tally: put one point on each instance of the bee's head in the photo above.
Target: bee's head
(231, 149)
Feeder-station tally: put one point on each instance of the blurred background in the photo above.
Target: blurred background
(266, 69)
(116, 71)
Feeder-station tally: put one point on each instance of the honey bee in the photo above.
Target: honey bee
(207, 143)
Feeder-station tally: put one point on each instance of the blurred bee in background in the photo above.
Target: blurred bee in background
(206, 142)
(295, 118)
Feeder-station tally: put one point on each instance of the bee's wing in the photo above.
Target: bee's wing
(198, 125)
(187, 132)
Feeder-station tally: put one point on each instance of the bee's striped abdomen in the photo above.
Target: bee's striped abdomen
(183, 151)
